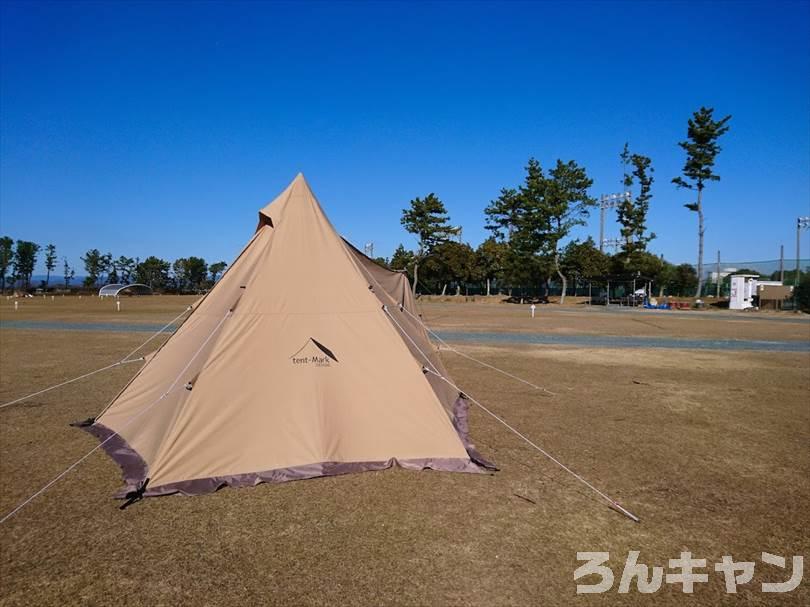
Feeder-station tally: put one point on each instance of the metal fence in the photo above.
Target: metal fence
(770, 269)
(774, 269)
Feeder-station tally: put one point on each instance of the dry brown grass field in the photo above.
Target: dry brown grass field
(711, 449)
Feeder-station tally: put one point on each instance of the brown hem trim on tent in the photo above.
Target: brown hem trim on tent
(283, 475)
(460, 423)
(134, 469)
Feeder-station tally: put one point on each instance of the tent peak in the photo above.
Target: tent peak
(300, 181)
(298, 188)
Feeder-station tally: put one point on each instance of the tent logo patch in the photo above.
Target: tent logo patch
(313, 353)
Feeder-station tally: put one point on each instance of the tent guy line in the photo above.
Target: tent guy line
(425, 356)
(124, 360)
(70, 381)
(134, 417)
(467, 356)
(452, 349)
(613, 503)
(161, 330)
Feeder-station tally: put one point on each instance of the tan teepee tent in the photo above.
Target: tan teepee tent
(300, 362)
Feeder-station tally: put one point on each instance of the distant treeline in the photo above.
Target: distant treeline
(185, 275)
(455, 268)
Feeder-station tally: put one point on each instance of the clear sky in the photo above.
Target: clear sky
(161, 128)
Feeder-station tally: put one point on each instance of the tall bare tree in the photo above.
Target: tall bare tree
(50, 262)
(67, 272)
(701, 147)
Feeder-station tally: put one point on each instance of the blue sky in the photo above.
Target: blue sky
(161, 128)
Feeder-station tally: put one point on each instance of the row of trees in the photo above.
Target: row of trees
(530, 222)
(18, 260)
(458, 266)
(188, 274)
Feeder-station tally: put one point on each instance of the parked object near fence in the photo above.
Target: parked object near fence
(654, 304)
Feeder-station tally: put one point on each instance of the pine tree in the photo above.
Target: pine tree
(6, 257)
(50, 262)
(427, 219)
(632, 213)
(701, 149)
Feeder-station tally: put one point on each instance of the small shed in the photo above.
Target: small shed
(772, 296)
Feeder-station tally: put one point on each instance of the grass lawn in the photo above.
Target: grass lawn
(710, 449)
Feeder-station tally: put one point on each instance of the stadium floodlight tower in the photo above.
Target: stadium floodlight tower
(609, 201)
(802, 223)
(611, 242)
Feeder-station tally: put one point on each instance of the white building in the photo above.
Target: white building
(744, 289)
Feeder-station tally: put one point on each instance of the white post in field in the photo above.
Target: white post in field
(117, 306)
(533, 308)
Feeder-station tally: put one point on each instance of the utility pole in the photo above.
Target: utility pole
(368, 250)
(718, 274)
(609, 201)
(802, 223)
(782, 263)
